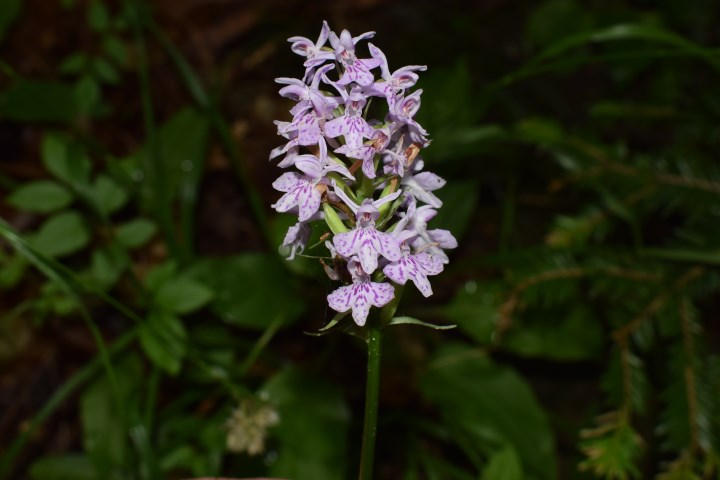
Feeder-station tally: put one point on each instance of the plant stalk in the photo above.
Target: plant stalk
(372, 391)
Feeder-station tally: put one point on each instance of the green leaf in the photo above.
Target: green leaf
(98, 17)
(415, 321)
(313, 444)
(34, 101)
(248, 289)
(624, 32)
(475, 309)
(504, 465)
(182, 295)
(136, 233)
(105, 432)
(182, 141)
(563, 334)
(61, 235)
(106, 267)
(9, 10)
(115, 48)
(42, 196)
(164, 340)
(109, 196)
(106, 71)
(64, 467)
(491, 403)
(11, 270)
(65, 161)
(74, 64)
(159, 275)
(87, 94)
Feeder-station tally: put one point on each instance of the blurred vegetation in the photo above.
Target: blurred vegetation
(149, 328)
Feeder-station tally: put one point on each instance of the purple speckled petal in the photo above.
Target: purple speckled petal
(345, 242)
(334, 128)
(387, 246)
(367, 253)
(443, 238)
(286, 182)
(368, 167)
(430, 264)
(286, 202)
(309, 199)
(429, 181)
(360, 297)
(308, 164)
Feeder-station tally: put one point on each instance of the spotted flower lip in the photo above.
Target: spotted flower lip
(360, 295)
(367, 156)
(416, 268)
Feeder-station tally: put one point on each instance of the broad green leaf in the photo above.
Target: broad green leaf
(136, 233)
(34, 101)
(64, 467)
(106, 267)
(251, 290)
(312, 444)
(182, 295)
(503, 465)
(164, 340)
(104, 417)
(115, 48)
(74, 64)
(106, 71)
(159, 275)
(182, 141)
(62, 234)
(42, 196)
(11, 270)
(459, 201)
(108, 195)
(563, 334)
(491, 403)
(87, 94)
(475, 309)
(65, 161)
(9, 10)
(98, 17)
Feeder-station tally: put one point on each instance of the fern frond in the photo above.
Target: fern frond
(612, 448)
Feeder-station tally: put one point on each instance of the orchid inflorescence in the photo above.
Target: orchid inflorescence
(344, 161)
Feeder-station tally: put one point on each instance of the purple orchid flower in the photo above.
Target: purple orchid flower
(296, 238)
(361, 295)
(351, 125)
(415, 267)
(394, 83)
(367, 151)
(364, 240)
(313, 52)
(402, 110)
(356, 70)
(308, 96)
(300, 190)
(421, 186)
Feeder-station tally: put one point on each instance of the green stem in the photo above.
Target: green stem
(155, 167)
(260, 345)
(367, 455)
